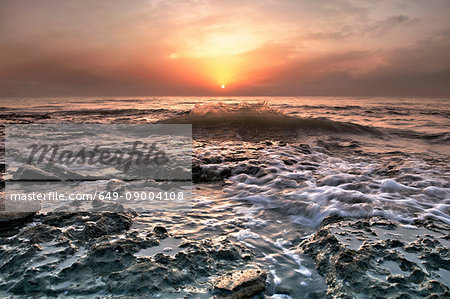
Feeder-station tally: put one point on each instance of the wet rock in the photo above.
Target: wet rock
(116, 186)
(305, 149)
(240, 284)
(86, 226)
(11, 222)
(289, 162)
(64, 173)
(32, 173)
(163, 272)
(378, 258)
(309, 165)
(14, 218)
(212, 160)
(86, 254)
(209, 173)
(417, 276)
(247, 169)
(160, 231)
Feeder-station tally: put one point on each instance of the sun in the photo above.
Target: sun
(223, 86)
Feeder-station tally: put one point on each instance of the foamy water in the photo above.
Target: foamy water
(269, 170)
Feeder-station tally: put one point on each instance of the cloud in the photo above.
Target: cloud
(419, 70)
(381, 27)
(186, 47)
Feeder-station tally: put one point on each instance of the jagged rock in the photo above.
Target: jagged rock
(379, 258)
(97, 253)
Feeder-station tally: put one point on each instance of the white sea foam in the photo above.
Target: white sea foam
(441, 193)
(276, 279)
(245, 234)
(311, 186)
(390, 185)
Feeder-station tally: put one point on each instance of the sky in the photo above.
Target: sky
(253, 47)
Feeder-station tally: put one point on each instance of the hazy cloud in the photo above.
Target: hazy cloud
(162, 47)
(381, 27)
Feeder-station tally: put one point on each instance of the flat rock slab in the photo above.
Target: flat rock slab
(14, 217)
(32, 173)
(240, 284)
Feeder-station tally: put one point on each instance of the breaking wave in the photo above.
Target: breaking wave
(261, 115)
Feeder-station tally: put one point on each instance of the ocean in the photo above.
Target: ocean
(268, 170)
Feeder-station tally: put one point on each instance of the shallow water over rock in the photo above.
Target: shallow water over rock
(269, 178)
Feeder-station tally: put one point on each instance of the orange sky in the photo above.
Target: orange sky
(284, 47)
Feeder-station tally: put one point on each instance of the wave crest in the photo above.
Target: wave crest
(261, 115)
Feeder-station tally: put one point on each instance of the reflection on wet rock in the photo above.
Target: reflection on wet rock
(380, 258)
(73, 254)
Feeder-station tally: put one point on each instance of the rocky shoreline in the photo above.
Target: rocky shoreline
(98, 254)
(380, 258)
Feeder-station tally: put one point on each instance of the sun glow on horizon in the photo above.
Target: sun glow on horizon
(285, 47)
(217, 58)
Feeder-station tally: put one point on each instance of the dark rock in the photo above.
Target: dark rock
(160, 230)
(346, 252)
(9, 220)
(96, 253)
(32, 173)
(417, 276)
(396, 279)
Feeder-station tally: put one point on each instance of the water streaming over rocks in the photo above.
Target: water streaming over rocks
(338, 197)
